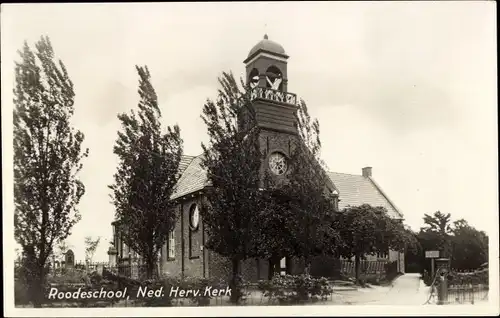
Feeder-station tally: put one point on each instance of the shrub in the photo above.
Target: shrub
(238, 290)
(21, 292)
(426, 277)
(186, 283)
(69, 276)
(21, 286)
(471, 278)
(373, 279)
(95, 278)
(288, 289)
(24, 280)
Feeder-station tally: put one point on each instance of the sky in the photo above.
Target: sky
(408, 88)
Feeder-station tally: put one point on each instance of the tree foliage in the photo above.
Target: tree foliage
(249, 212)
(308, 129)
(469, 246)
(232, 159)
(367, 230)
(438, 229)
(146, 176)
(438, 222)
(90, 247)
(61, 249)
(466, 246)
(47, 157)
(299, 220)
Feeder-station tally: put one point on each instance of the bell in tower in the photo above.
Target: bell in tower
(266, 72)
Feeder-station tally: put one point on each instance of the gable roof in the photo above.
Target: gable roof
(184, 162)
(193, 178)
(356, 190)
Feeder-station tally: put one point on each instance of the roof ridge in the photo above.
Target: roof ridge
(349, 174)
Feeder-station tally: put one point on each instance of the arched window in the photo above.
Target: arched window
(253, 78)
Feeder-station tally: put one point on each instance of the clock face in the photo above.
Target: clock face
(195, 217)
(277, 163)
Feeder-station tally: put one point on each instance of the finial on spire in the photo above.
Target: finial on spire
(266, 37)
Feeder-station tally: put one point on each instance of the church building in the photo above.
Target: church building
(184, 253)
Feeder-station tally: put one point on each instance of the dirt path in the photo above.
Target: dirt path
(407, 289)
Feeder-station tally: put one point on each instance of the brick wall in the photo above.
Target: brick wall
(172, 267)
(271, 141)
(193, 241)
(190, 256)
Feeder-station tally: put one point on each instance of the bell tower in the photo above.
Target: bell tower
(272, 105)
(266, 65)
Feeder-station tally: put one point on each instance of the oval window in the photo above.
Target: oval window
(194, 217)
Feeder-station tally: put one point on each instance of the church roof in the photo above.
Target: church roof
(268, 46)
(354, 190)
(193, 178)
(184, 163)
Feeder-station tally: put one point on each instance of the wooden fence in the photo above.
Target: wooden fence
(368, 267)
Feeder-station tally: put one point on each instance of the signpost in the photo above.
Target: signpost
(432, 255)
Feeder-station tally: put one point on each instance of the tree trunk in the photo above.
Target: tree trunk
(235, 281)
(307, 265)
(37, 288)
(150, 267)
(357, 267)
(270, 271)
(273, 264)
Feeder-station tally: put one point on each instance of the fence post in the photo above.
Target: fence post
(472, 300)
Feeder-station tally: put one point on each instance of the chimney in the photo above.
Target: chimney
(367, 172)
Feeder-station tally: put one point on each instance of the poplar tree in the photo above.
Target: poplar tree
(232, 159)
(47, 159)
(146, 175)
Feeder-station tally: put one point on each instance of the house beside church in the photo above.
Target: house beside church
(184, 253)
